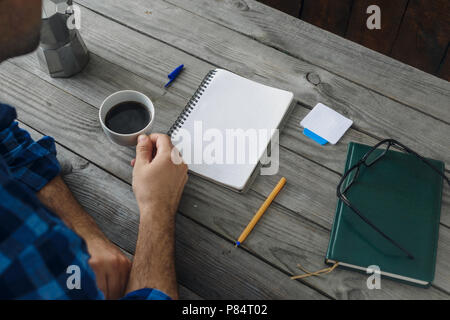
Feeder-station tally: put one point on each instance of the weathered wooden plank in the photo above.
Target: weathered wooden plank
(382, 39)
(424, 34)
(183, 292)
(163, 112)
(186, 294)
(243, 206)
(329, 15)
(204, 261)
(287, 238)
(170, 109)
(370, 111)
(309, 43)
(96, 85)
(101, 78)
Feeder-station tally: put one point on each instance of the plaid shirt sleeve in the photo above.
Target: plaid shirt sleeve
(37, 250)
(146, 294)
(40, 258)
(32, 163)
(36, 247)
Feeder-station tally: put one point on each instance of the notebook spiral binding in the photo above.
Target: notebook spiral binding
(191, 104)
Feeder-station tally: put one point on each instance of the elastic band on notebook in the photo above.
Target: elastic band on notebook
(316, 273)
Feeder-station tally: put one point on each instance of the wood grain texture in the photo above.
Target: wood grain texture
(424, 34)
(170, 108)
(112, 204)
(308, 211)
(330, 15)
(291, 7)
(345, 58)
(249, 58)
(96, 85)
(186, 294)
(210, 208)
(380, 40)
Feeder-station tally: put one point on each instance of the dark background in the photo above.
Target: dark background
(415, 32)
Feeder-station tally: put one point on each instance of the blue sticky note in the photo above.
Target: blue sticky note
(314, 136)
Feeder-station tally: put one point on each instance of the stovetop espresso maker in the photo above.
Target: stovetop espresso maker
(62, 50)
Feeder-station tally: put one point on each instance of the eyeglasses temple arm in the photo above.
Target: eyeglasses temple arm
(366, 220)
(424, 160)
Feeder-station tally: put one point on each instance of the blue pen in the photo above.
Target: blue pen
(174, 74)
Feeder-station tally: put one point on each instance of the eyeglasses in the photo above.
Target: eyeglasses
(368, 160)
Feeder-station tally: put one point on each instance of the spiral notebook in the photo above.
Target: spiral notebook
(215, 132)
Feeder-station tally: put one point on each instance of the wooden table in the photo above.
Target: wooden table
(135, 44)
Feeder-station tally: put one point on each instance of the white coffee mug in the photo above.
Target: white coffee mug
(114, 100)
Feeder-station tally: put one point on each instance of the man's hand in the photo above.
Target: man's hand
(158, 184)
(110, 266)
(157, 181)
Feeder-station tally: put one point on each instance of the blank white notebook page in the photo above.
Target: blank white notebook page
(228, 103)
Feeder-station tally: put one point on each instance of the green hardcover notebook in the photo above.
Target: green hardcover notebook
(402, 196)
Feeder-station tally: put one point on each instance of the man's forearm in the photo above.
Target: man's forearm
(57, 197)
(154, 260)
(110, 266)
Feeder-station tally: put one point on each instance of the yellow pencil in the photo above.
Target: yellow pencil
(261, 211)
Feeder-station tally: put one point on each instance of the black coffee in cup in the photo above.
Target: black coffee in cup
(127, 117)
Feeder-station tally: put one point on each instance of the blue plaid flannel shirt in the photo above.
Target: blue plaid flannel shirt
(36, 247)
